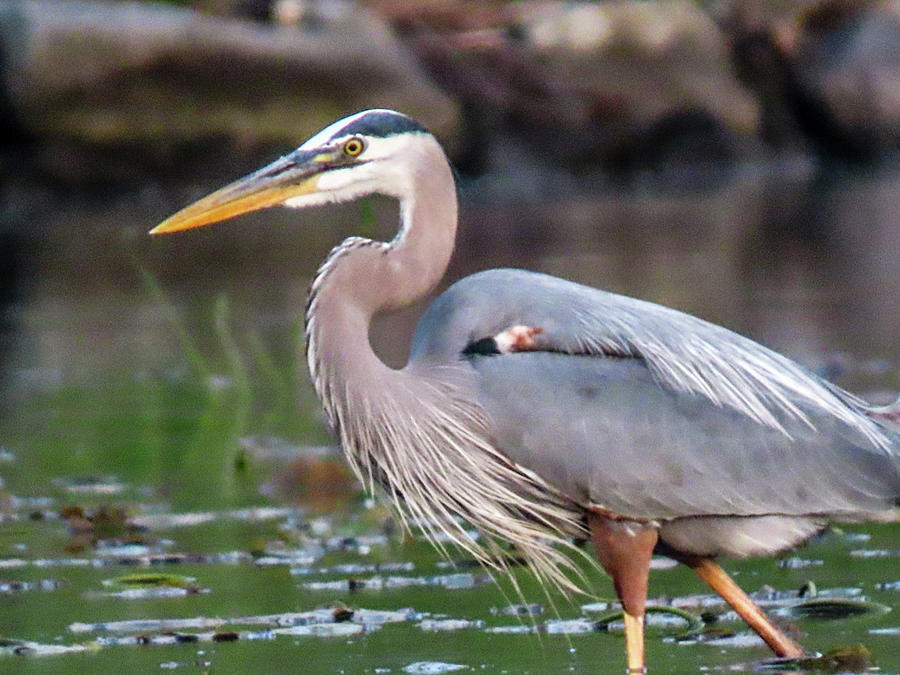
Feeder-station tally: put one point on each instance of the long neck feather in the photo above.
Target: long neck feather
(421, 437)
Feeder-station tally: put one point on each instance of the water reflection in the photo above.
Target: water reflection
(807, 266)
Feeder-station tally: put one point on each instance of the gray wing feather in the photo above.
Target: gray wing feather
(605, 433)
(684, 353)
(696, 421)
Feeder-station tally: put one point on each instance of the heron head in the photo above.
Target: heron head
(371, 151)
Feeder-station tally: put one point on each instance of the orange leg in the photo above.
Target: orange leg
(708, 570)
(624, 549)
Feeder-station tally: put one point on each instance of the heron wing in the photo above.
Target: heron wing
(605, 433)
(654, 413)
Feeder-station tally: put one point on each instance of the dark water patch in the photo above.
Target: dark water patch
(531, 609)
(831, 608)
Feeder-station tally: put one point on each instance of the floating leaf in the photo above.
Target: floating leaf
(684, 621)
(848, 659)
(152, 579)
(831, 608)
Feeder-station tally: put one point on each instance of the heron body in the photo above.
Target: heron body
(539, 409)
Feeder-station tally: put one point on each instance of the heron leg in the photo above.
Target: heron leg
(710, 571)
(624, 549)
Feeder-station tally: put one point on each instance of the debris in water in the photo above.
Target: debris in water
(146, 625)
(355, 568)
(513, 630)
(326, 629)
(10, 587)
(892, 630)
(160, 521)
(152, 593)
(797, 563)
(341, 615)
(370, 616)
(533, 609)
(658, 617)
(601, 606)
(873, 553)
(377, 583)
(150, 560)
(570, 626)
(273, 448)
(857, 536)
(38, 649)
(438, 625)
(719, 638)
(298, 557)
(659, 562)
(432, 668)
(107, 485)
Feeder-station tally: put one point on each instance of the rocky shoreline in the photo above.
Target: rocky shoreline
(112, 91)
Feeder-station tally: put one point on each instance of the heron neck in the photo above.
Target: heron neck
(362, 278)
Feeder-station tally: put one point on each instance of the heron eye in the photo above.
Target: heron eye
(353, 147)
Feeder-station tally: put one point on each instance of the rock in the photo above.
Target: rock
(826, 71)
(847, 58)
(154, 78)
(582, 83)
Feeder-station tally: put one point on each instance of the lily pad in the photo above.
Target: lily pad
(657, 617)
(847, 659)
(832, 608)
(153, 579)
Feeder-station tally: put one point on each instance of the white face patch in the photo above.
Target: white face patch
(384, 167)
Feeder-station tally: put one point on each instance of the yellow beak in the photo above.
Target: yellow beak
(290, 176)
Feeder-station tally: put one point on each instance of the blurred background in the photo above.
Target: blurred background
(735, 159)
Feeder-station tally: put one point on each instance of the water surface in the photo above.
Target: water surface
(155, 419)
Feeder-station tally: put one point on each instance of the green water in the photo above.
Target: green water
(166, 446)
(163, 380)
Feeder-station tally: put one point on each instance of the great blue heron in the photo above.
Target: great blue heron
(540, 410)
